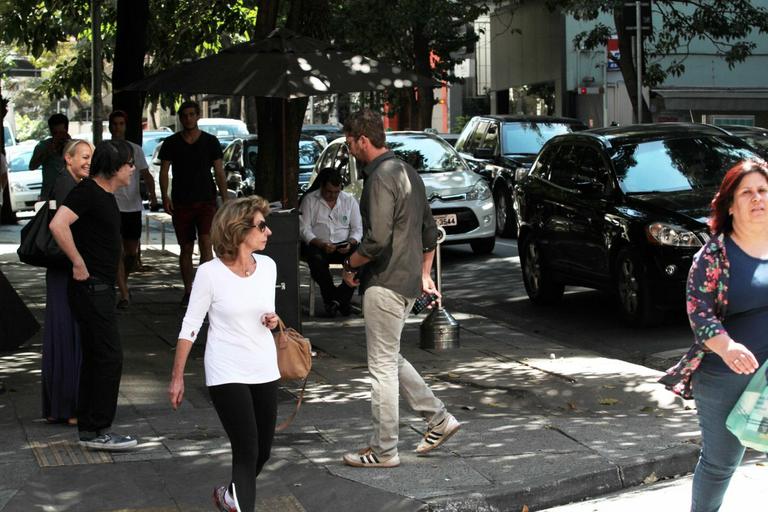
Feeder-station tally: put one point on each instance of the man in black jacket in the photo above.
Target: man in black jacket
(393, 266)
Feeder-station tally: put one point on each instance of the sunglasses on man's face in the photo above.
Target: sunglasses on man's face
(261, 226)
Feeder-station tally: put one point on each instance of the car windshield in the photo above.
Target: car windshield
(528, 138)
(425, 153)
(19, 161)
(224, 130)
(757, 141)
(309, 151)
(673, 165)
(149, 143)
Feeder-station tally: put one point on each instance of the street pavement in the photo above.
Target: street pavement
(542, 424)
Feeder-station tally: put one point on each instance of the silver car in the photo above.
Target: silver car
(460, 199)
(24, 185)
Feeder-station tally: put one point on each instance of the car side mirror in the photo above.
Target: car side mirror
(520, 173)
(483, 153)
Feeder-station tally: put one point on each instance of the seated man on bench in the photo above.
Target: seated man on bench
(331, 228)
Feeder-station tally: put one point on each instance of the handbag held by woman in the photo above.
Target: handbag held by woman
(37, 246)
(748, 420)
(294, 360)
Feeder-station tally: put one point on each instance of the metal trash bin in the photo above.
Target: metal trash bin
(439, 331)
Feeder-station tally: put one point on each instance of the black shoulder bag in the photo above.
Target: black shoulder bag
(37, 246)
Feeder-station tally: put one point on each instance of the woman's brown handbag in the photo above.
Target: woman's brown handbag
(294, 353)
(294, 359)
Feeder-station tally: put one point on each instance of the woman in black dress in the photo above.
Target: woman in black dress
(61, 340)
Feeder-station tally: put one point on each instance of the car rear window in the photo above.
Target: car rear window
(528, 138)
(677, 164)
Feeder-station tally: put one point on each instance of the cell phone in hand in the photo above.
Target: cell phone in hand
(341, 244)
(422, 302)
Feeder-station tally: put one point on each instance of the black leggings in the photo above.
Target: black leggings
(248, 413)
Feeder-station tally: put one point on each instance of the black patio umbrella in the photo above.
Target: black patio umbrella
(283, 65)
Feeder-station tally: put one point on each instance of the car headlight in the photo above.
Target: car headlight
(480, 192)
(19, 187)
(661, 233)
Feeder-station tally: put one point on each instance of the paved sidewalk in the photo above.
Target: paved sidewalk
(543, 424)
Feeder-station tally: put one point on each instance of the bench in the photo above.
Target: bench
(160, 218)
(313, 288)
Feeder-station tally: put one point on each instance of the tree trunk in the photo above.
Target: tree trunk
(627, 65)
(130, 49)
(268, 118)
(424, 100)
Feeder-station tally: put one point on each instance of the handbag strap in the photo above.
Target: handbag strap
(282, 426)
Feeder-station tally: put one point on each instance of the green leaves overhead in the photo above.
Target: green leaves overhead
(728, 25)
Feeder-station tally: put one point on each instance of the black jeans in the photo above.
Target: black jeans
(318, 261)
(248, 413)
(93, 305)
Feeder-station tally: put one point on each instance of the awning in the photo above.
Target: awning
(714, 99)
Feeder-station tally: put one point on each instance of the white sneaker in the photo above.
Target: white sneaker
(365, 458)
(438, 434)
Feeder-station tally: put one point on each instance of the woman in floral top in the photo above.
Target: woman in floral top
(727, 302)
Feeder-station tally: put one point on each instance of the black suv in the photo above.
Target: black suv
(622, 209)
(500, 147)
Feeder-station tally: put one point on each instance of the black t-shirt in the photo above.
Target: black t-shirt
(192, 178)
(97, 229)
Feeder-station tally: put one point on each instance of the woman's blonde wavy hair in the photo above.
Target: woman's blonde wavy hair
(232, 222)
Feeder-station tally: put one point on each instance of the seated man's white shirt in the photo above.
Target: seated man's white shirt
(341, 223)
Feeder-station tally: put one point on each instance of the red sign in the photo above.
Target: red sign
(613, 49)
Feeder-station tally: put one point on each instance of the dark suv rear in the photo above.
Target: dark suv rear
(500, 145)
(623, 210)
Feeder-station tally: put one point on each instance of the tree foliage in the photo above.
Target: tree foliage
(727, 25)
(408, 32)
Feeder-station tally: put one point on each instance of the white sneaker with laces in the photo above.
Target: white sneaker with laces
(438, 434)
(366, 458)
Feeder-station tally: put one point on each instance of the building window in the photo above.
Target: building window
(722, 120)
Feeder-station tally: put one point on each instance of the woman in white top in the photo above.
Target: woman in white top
(237, 292)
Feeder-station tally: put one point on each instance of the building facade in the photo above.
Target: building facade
(535, 69)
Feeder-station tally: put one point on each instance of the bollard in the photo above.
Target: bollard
(439, 331)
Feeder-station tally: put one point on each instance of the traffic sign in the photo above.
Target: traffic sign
(629, 15)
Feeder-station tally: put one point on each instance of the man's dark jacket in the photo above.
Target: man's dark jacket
(398, 227)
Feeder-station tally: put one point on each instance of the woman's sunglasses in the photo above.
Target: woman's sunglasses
(261, 226)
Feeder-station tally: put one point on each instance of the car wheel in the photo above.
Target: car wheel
(633, 290)
(483, 245)
(506, 220)
(540, 287)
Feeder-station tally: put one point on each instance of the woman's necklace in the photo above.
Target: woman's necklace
(246, 270)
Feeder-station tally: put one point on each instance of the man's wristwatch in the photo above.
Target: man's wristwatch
(348, 267)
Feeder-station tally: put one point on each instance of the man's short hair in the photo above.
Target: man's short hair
(109, 156)
(189, 104)
(115, 114)
(366, 122)
(328, 175)
(57, 119)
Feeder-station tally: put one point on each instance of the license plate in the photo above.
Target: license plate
(448, 219)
